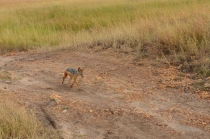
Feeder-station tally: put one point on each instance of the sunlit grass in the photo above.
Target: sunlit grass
(18, 123)
(174, 27)
(173, 22)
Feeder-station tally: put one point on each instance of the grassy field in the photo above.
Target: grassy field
(177, 27)
(18, 123)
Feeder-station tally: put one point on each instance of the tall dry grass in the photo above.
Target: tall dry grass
(177, 27)
(18, 123)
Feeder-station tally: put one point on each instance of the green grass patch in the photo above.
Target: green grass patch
(171, 27)
(175, 23)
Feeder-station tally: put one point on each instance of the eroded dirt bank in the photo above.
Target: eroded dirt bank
(120, 98)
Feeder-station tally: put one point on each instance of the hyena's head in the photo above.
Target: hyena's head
(80, 70)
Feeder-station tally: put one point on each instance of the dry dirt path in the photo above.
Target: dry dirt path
(118, 100)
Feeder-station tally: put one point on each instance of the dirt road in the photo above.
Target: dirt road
(121, 98)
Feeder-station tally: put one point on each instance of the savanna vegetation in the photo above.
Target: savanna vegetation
(180, 29)
(18, 123)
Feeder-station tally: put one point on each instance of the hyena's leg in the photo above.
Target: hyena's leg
(64, 76)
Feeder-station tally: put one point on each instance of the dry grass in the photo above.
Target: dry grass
(171, 27)
(18, 123)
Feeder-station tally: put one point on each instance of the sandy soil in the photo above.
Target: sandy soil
(121, 97)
